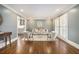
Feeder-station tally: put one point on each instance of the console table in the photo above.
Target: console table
(5, 36)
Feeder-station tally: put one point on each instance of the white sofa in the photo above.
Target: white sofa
(40, 31)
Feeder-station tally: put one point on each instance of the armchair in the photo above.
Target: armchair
(53, 35)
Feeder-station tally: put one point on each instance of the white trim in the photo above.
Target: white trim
(70, 42)
(3, 44)
(65, 11)
(25, 24)
(13, 10)
(41, 40)
(54, 17)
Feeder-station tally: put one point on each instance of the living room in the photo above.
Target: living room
(48, 26)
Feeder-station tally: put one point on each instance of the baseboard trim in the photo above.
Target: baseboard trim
(40, 40)
(70, 42)
(3, 44)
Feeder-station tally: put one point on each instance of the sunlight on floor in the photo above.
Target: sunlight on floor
(30, 50)
(49, 50)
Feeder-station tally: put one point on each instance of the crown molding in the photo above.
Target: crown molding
(63, 12)
(13, 10)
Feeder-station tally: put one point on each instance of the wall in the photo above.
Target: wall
(47, 23)
(73, 23)
(72, 33)
(9, 21)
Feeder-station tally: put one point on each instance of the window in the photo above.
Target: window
(57, 25)
(64, 26)
(61, 26)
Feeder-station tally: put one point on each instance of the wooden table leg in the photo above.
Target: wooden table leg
(10, 40)
(47, 36)
(5, 38)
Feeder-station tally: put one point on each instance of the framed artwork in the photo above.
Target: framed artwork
(22, 21)
(40, 23)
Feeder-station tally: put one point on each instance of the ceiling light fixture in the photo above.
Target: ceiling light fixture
(21, 10)
(58, 10)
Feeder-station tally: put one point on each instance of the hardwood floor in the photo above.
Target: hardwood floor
(39, 47)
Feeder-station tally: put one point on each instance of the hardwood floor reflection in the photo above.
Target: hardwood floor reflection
(39, 47)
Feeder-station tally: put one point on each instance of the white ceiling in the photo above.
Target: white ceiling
(40, 10)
